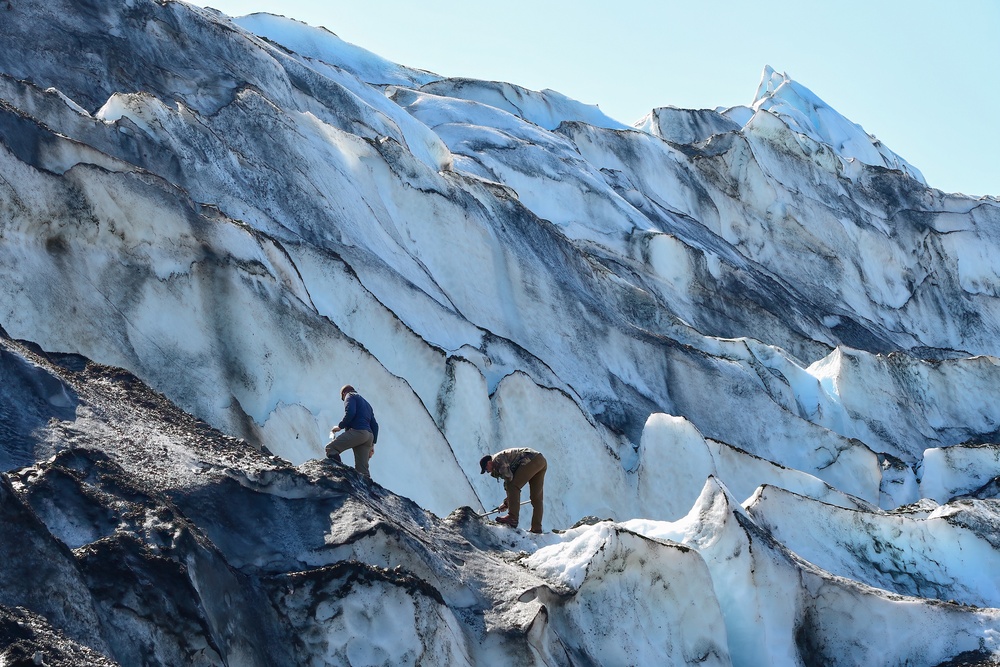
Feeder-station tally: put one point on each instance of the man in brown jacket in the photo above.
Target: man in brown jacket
(517, 467)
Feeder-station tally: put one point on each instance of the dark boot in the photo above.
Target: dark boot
(506, 521)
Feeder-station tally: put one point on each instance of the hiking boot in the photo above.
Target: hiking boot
(536, 532)
(507, 521)
(335, 458)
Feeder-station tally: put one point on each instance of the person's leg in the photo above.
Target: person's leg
(513, 502)
(362, 453)
(536, 487)
(345, 440)
(521, 477)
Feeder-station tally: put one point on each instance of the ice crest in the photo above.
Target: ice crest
(803, 111)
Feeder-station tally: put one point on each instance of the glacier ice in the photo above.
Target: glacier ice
(759, 351)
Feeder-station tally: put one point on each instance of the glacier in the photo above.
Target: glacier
(758, 349)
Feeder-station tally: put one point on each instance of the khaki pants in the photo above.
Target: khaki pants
(531, 473)
(360, 441)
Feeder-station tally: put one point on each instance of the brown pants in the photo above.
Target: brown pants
(531, 473)
(360, 441)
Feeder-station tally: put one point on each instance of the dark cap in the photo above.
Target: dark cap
(482, 463)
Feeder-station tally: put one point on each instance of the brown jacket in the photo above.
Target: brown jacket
(506, 463)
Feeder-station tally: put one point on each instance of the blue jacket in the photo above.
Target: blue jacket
(358, 414)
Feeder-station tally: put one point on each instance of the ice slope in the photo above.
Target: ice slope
(950, 472)
(660, 269)
(804, 112)
(326, 49)
(247, 215)
(443, 295)
(635, 601)
(166, 542)
(782, 610)
(925, 557)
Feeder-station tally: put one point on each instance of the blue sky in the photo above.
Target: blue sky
(921, 75)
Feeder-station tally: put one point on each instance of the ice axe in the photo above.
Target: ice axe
(497, 509)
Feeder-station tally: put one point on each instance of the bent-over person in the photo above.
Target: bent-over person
(517, 467)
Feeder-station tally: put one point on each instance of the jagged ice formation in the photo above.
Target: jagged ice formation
(753, 341)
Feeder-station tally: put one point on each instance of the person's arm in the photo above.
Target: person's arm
(374, 430)
(349, 410)
(501, 468)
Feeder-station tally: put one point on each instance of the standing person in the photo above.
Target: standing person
(517, 467)
(360, 430)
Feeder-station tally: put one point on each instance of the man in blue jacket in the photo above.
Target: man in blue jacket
(360, 430)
